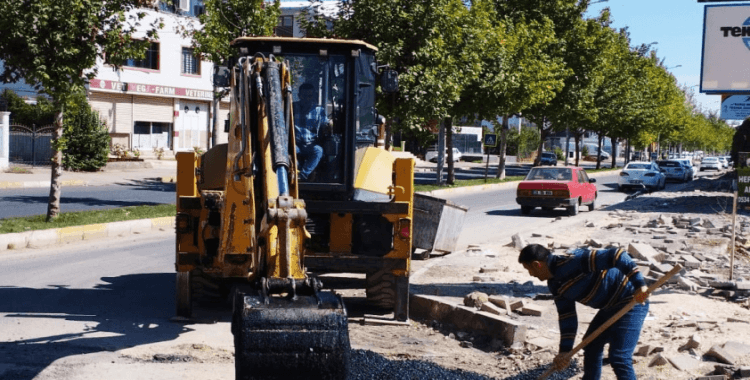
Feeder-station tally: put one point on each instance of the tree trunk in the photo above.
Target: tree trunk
(599, 151)
(614, 152)
(578, 148)
(53, 207)
(543, 133)
(503, 147)
(449, 148)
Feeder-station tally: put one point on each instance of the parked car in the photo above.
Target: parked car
(675, 170)
(432, 155)
(640, 175)
(729, 160)
(724, 162)
(551, 187)
(688, 163)
(549, 158)
(710, 163)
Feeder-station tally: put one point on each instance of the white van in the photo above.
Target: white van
(432, 155)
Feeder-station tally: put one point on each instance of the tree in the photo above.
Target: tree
(86, 137)
(431, 43)
(223, 21)
(56, 44)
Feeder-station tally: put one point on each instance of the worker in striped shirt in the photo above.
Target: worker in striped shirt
(605, 279)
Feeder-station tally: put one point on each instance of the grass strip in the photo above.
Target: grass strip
(467, 182)
(79, 218)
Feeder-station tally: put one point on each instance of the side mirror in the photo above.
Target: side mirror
(592, 180)
(389, 81)
(221, 76)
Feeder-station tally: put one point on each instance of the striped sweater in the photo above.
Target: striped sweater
(600, 279)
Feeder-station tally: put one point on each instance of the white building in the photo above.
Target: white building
(165, 99)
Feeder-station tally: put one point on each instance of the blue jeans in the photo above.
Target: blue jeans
(308, 158)
(622, 338)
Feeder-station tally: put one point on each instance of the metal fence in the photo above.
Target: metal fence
(31, 145)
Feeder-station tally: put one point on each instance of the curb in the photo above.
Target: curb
(66, 183)
(54, 236)
(495, 186)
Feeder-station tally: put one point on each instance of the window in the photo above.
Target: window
(285, 28)
(190, 63)
(150, 61)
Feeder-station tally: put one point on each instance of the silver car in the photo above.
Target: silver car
(675, 170)
(710, 163)
(642, 174)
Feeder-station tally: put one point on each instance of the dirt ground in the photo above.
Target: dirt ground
(675, 314)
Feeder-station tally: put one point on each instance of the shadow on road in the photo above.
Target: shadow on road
(127, 311)
(87, 201)
(150, 184)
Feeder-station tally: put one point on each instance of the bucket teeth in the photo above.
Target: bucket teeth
(291, 339)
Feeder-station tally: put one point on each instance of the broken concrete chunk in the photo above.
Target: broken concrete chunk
(642, 350)
(532, 309)
(645, 252)
(720, 354)
(657, 361)
(690, 262)
(594, 243)
(719, 284)
(696, 221)
(661, 268)
(684, 362)
(712, 377)
(505, 302)
(518, 241)
(476, 299)
(737, 348)
(492, 308)
(693, 342)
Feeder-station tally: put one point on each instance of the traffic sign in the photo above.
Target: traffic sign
(735, 107)
(490, 140)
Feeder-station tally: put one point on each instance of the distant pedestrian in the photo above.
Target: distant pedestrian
(605, 279)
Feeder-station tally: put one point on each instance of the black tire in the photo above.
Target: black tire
(526, 210)
(573, 210)
(381, 289)
(183, 295)
(663, 184)
(592, 205)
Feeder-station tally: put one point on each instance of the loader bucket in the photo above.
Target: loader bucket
(305, 338)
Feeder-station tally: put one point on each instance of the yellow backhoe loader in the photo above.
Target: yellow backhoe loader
(302, 187)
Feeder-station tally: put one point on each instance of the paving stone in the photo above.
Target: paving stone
(744, 372)
(712, 377)
(693, 342)
(737, 348)
(730, 319)
(690, 261)
(642, 350)
(531, 309)
(696, 221)
(594, 243)
(657, 361)
(645, 252)
(720, 354)
(662, 268)
(644, 270)
(506, 303)
(684, 362)
(492, 308)
(686, 284)
(742, 285)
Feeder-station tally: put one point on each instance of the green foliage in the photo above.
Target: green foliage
(40, 114)
(54, 45)
(584, 151)
(559, 153)
(524, 143)
(225, 20)
(86, 137)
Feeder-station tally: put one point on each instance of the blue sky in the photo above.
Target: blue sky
(676, 26)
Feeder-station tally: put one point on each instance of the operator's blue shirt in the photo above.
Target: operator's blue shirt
(307, 126)
(604, 278)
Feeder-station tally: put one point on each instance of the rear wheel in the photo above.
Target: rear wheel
(592, 205)
(381, 289)
(526, 210)
(573, 210)
(183, 295)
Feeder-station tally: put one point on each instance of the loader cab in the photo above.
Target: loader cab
(333, 91)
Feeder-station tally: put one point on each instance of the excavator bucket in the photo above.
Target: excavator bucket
(283, 338)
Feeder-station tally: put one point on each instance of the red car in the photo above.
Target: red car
(550, 187)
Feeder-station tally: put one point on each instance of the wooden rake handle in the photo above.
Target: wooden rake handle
(589, 338)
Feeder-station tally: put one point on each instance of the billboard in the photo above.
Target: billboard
(726, 49)
(735, 107)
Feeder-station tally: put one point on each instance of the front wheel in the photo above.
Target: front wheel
(183, 295)
(573, 210)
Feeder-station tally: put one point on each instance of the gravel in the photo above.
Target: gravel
(369, 365)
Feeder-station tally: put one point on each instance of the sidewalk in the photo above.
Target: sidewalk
(114, 172)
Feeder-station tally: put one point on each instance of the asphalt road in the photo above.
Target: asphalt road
(27, 202)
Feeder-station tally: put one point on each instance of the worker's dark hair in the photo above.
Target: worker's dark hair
(533, 252)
